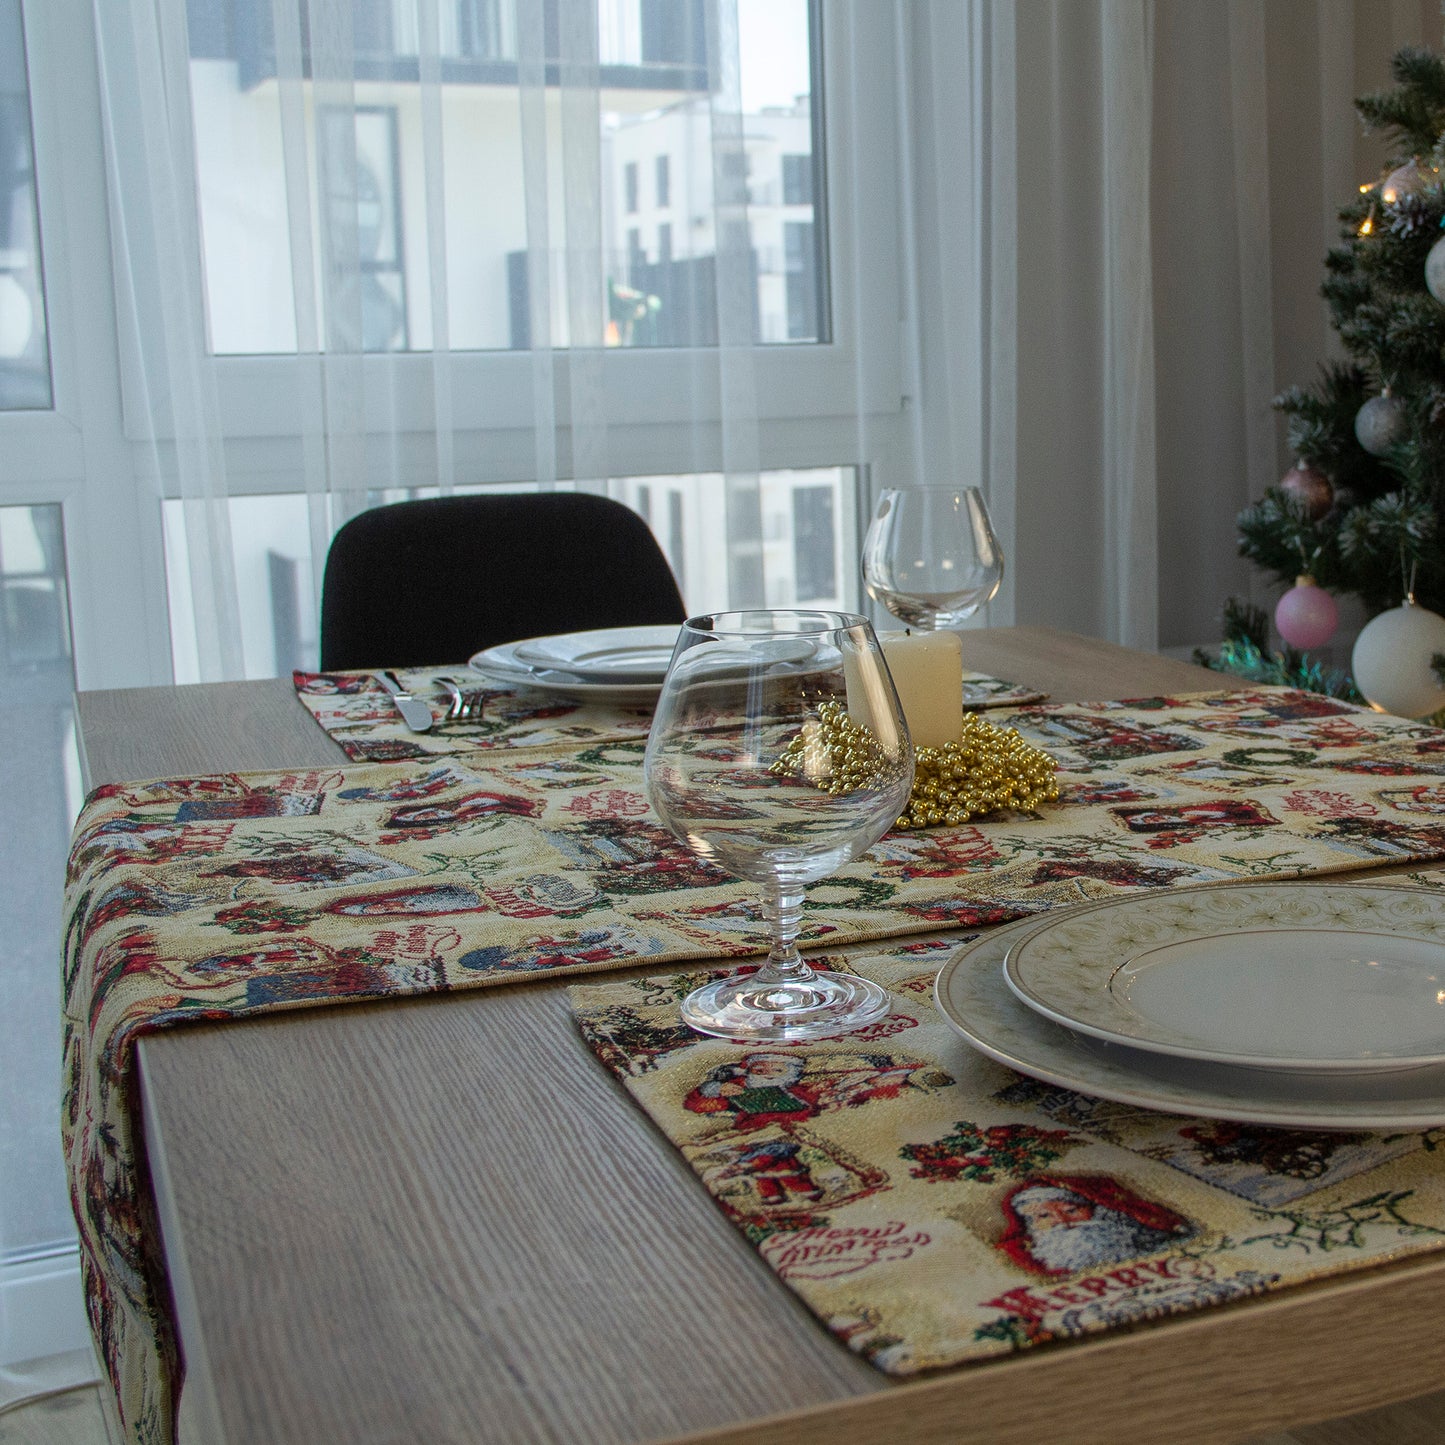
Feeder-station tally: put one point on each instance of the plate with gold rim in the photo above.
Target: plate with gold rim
(974, 999)
(1325, 977)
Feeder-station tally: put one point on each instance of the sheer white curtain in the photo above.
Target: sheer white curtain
(364, 247)
(368, 247)
(1122, 209)
(1030, 198)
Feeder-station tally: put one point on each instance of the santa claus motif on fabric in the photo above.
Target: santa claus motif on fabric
(1064, 1224)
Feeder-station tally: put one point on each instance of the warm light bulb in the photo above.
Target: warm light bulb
(1367, 226)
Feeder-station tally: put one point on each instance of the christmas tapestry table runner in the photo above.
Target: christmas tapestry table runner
(360, 715)
(932, 1207)
(213, 898)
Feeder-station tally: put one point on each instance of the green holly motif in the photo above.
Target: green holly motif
(984, 1155)
(865, 893)
(1013, 1331)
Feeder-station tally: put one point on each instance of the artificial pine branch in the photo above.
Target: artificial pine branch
(1412, 114)
(1245, 622)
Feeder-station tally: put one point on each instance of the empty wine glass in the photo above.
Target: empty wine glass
(779, 752)
(930, 555)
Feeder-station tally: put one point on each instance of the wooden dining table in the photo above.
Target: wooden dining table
(374, 1232)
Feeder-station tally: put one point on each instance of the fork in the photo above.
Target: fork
(463, 703)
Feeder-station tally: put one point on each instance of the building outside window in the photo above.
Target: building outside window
(629, 185)
(664, 182)
(797, 180)
(800, 279)
(815, 569)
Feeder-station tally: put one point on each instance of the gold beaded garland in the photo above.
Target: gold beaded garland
(988, 768)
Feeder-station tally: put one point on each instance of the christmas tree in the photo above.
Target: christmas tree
(1360, 512)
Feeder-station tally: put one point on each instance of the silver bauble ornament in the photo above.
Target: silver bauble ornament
(1405, 180)
(1391, 660)
(1435, 271)
(1380, 424)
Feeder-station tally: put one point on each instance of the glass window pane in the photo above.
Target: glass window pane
(370, 221)
(39, 796)
(24, 350)
(807, 533)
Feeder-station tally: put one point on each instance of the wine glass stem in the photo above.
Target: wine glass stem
(783, 912)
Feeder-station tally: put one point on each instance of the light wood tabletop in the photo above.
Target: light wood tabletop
(374, 1229)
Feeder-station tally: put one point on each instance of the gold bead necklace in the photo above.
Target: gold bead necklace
(988, 768)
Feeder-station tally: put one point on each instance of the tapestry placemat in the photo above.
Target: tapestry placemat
(932, 1207)
(217, 897)
(360, 715)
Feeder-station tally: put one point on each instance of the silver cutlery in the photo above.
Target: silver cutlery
(465, 702)
(455, 694)
(414, 712)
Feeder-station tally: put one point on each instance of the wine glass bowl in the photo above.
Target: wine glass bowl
(930, 555)
(779, 752)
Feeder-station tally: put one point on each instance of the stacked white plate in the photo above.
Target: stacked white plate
(614, 664)
(1305, 1005)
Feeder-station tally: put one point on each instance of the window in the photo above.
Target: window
(37, 801)
(655, 113)
(362, 226)
(815, 571)
(675, 548)
(659, 270)
(24, 350)
(800, 279)
(797, 180)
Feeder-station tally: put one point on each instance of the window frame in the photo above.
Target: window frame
(647, 391)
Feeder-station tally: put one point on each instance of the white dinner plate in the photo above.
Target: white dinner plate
(496, 665)
(974, 999)
(609, 655)
(1334, 977)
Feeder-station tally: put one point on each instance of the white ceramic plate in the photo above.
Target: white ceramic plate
(1330, 977)
(498, 665)
(974, 999)
(625, 655)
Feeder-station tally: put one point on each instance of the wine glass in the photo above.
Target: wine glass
(930, 555)
(779, 752)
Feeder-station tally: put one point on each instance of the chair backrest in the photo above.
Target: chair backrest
(438, 580)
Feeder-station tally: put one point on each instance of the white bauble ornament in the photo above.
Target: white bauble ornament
(1380, 424)
(1435, 271)
(1391, 660)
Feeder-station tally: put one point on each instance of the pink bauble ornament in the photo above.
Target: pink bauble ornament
(1306, 615)
(1311, 489)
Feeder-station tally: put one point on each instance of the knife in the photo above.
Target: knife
(414, 712)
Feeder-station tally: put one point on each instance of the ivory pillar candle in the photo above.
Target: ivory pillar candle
(927, 669)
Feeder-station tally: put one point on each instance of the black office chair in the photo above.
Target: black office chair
(437, 580)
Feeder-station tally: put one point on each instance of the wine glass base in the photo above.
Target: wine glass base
(746, 1006)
